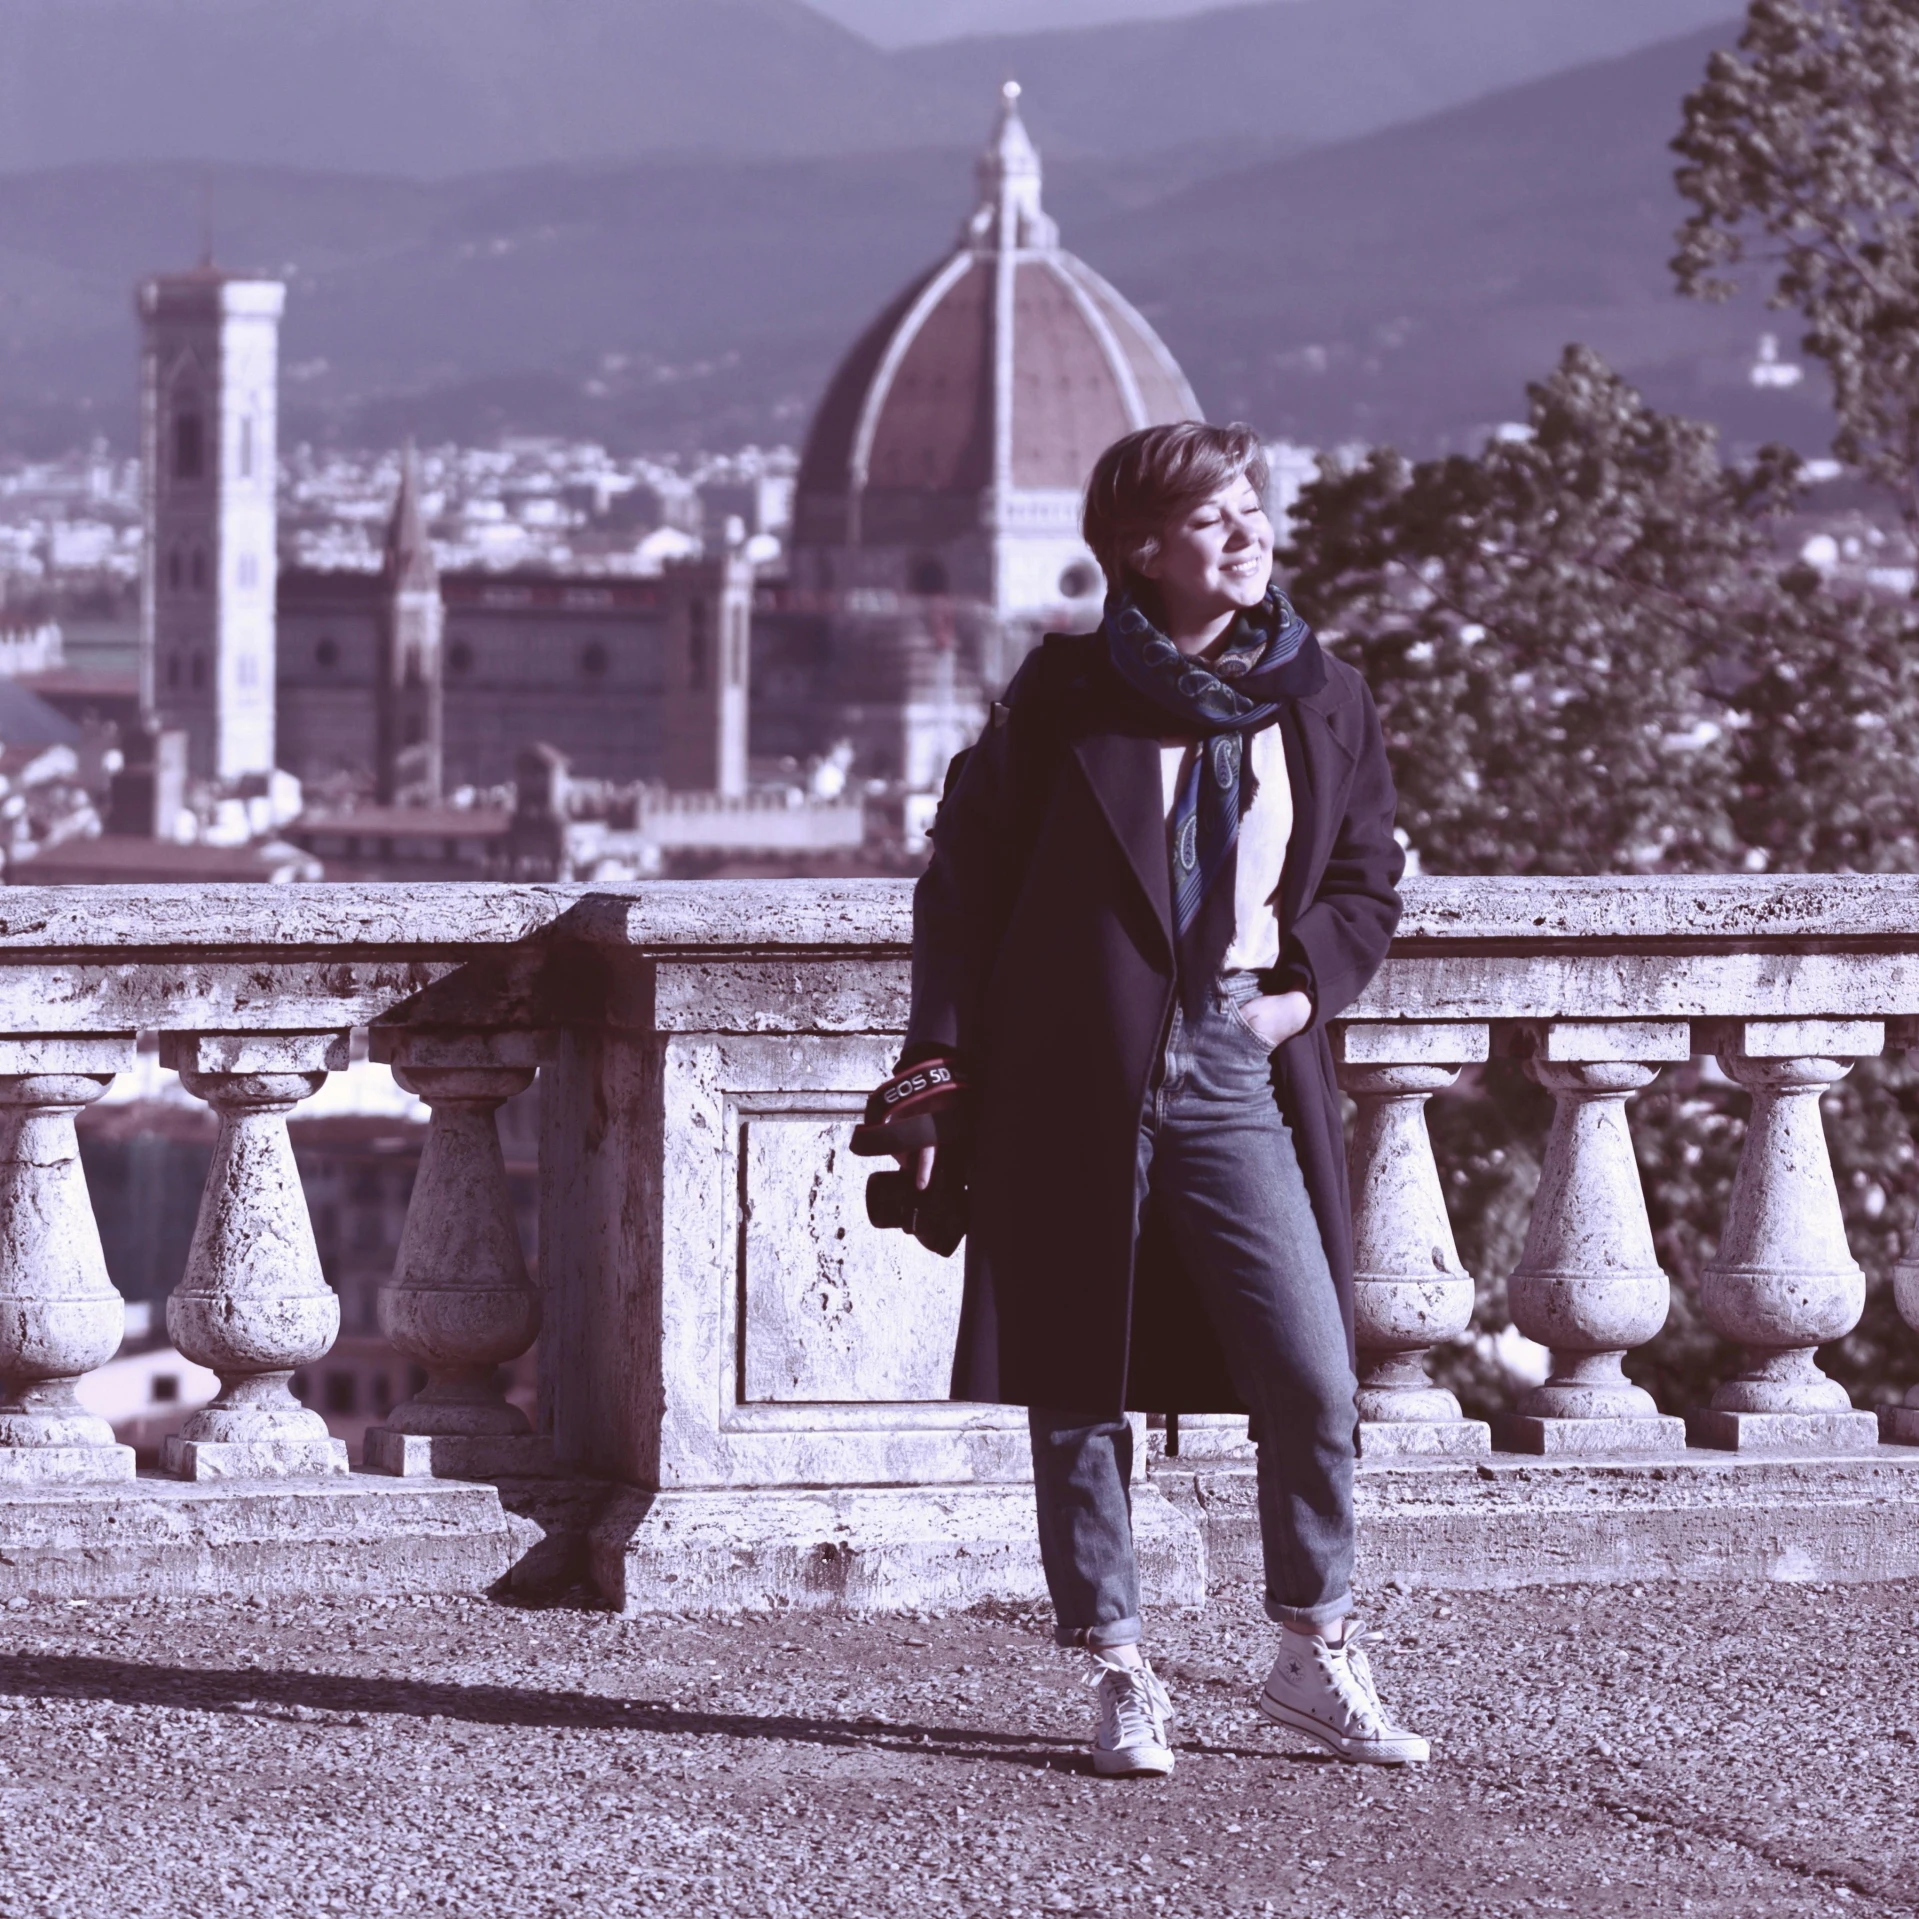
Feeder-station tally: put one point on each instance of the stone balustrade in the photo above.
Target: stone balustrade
(741, 1383)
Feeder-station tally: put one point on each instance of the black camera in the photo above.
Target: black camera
(935, 1217)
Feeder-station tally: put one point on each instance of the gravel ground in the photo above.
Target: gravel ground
(1740, 1750)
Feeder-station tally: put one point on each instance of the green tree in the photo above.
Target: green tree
(1541, 623)
(1801, 159)
(1828, 748)
(1589, 658)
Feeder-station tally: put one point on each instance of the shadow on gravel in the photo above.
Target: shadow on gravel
(334, 1699)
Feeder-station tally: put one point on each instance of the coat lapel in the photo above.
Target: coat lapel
(1124, 774)
(1319, 767)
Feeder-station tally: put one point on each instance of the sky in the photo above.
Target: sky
(900, 23)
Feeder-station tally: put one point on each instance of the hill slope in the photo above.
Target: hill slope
(1298, 73)
(442, 87)
(1406, 285)
(1402, 286)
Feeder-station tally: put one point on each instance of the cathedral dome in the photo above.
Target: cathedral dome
(989, 385)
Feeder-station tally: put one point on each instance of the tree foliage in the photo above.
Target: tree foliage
(1589, 657)
(1544, 625)
(1801, 157)
(1828, 749)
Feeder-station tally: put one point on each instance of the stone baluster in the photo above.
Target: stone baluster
(1783, 1280)
(59, 1314)
(1588, 1284)
(1899, 1425)
(253, 1303)
(459, 1302)
(1409, 1289)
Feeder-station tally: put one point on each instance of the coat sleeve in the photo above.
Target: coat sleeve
(961, 903)
(1337, 943)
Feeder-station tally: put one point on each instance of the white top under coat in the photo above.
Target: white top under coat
(1264, 829)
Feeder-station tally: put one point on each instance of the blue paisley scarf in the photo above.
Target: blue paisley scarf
(1269, 655)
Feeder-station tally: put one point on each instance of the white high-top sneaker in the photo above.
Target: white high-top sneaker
(1135, 1721)
(1327, 1692)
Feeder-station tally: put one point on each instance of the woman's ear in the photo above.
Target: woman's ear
(1146, 562)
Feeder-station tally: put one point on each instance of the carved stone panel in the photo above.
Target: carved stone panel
(830, 1308)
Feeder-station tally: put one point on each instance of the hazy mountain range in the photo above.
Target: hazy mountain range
(903, 23)
(1296, 73)
(442, 87)
(1403, 284)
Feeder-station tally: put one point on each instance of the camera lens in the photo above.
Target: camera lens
(891, 1201)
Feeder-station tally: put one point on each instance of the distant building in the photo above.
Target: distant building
(709, 640)
(1768, 370)
(1291, 469)
(934, 536)
(408, 669)
(209, 357)
(950, 451)
(936, 517)
(631, 679)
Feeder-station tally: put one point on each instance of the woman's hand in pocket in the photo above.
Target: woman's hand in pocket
(1276, 1017)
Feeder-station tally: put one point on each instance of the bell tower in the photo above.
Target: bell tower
(709, 650)
(410, 693)
(209, 367)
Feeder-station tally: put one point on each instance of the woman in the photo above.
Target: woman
(1166, 865)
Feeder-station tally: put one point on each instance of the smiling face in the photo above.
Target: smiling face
(1213, 561)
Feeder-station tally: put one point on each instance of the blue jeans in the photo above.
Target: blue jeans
(1218, 1166)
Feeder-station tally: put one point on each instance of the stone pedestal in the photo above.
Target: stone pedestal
(728, 1335)
(253, 1304)
(859, 1549)
(1783, 1281)
(59, 1314)
(460, 1302)
(1588, 1284)
(1410, 1291)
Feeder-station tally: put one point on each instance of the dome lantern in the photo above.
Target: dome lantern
(1008, 215)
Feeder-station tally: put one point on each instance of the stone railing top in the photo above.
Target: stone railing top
(105, 920)
(1712, 948)
(666, 916)
(875, 915)
(305, 958)
(1735, 909)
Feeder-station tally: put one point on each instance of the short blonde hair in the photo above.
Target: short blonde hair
(1148, 479)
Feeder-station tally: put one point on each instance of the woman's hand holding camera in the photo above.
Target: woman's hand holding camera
(909, 1118)
(1277, 1017)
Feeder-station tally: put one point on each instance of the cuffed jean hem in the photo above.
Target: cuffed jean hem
(1121, 1632)
(1329, 1612)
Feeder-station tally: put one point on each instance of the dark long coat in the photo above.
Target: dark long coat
(1043, 955)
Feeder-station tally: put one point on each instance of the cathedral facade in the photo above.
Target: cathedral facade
(408, 684)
